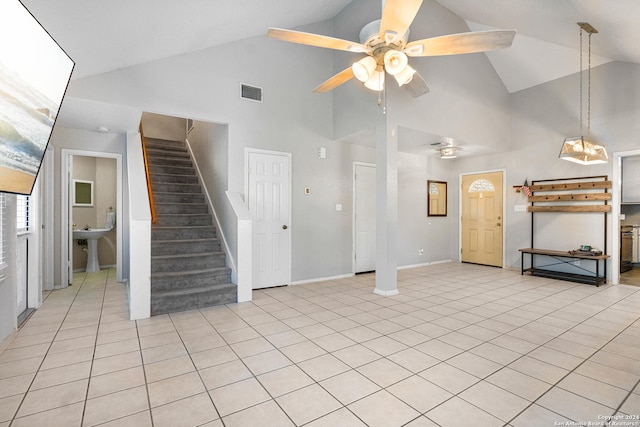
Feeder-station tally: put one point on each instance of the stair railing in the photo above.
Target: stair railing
(152, 204)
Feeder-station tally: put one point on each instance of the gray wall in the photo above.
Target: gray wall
(519, 132)
(164, 127)
(209, 143)
(542, 117)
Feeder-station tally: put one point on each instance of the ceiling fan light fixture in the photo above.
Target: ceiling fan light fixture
(449, 152)
(405, 76)
(364, 68)
(376, 81)
(395, 61)
(582, 151)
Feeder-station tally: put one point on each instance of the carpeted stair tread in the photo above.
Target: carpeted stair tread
(192, 272)
(196, 290)
(198, 254)
(175, 301)
(177, 241)
(188, 264)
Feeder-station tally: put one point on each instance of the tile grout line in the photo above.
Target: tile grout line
(45, 355)
(194, 366)
(95, 346)
(582, 362)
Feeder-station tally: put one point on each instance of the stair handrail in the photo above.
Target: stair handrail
(152, 204)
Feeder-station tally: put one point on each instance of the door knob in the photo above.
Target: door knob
(284, 227)
(498, 224)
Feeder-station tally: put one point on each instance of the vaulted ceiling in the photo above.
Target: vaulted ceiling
(107, 35)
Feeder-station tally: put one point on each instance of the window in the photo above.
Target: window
(22, 214)
(480, 185)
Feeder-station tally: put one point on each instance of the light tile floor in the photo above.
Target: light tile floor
(461, 345)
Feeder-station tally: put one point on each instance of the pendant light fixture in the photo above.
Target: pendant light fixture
(581, 149)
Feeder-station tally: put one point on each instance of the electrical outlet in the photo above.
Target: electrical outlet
(420, 251)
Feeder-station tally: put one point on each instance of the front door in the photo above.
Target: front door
(268, 201)
(482, 218)
(365, 217)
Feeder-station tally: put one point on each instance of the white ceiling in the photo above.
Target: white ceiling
(106, 35)
(102, 36)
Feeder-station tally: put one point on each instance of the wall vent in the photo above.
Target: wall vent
(253, 93)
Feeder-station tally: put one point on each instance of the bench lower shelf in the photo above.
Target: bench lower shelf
(570, 277)
(564, 258)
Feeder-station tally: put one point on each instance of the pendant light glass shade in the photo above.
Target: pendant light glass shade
(364, 68)
(582, 151)
(376, 81)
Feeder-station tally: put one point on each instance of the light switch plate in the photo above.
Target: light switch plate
(338, 207)
(520, 208)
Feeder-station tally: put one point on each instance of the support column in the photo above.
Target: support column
(386, 211)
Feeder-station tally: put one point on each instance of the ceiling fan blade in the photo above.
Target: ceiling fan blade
(335, 81)
(453, 44)
(417, 86)
(316, 40)
(397, 16)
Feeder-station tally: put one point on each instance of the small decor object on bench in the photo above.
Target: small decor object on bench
(589, 252)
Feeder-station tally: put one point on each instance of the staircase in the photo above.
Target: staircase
(187, 265)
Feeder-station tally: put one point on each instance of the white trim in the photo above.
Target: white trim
(215, 216)
(616, 200)
(65, 203)
(289, 156)
(425, 264)
(504, 211)
(323, 279)
(47, 210)
(353, 212)
(386, 293)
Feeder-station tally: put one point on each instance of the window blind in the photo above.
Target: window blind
(22, 213)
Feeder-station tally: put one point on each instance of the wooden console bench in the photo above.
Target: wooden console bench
(561, 257)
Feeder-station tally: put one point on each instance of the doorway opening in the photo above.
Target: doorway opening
(364, 217)
(101, 211)
(625, 205)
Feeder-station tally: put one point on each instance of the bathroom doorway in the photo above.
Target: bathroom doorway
(91, 199)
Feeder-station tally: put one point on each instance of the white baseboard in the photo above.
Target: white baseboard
(5, 343)
(404, 267)
(386, 293)
(322, 279)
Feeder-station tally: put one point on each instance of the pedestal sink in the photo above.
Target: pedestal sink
(91, 236)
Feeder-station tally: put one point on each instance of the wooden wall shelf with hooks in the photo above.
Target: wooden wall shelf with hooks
(568, 195)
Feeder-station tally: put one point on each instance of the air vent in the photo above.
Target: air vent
(251, 92)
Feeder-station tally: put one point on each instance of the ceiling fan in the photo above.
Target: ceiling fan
(385, 42)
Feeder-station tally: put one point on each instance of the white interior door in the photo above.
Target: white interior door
(268, 201)
(365, 217)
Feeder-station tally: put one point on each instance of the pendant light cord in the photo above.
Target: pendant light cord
(581, 84)
(589, 92)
